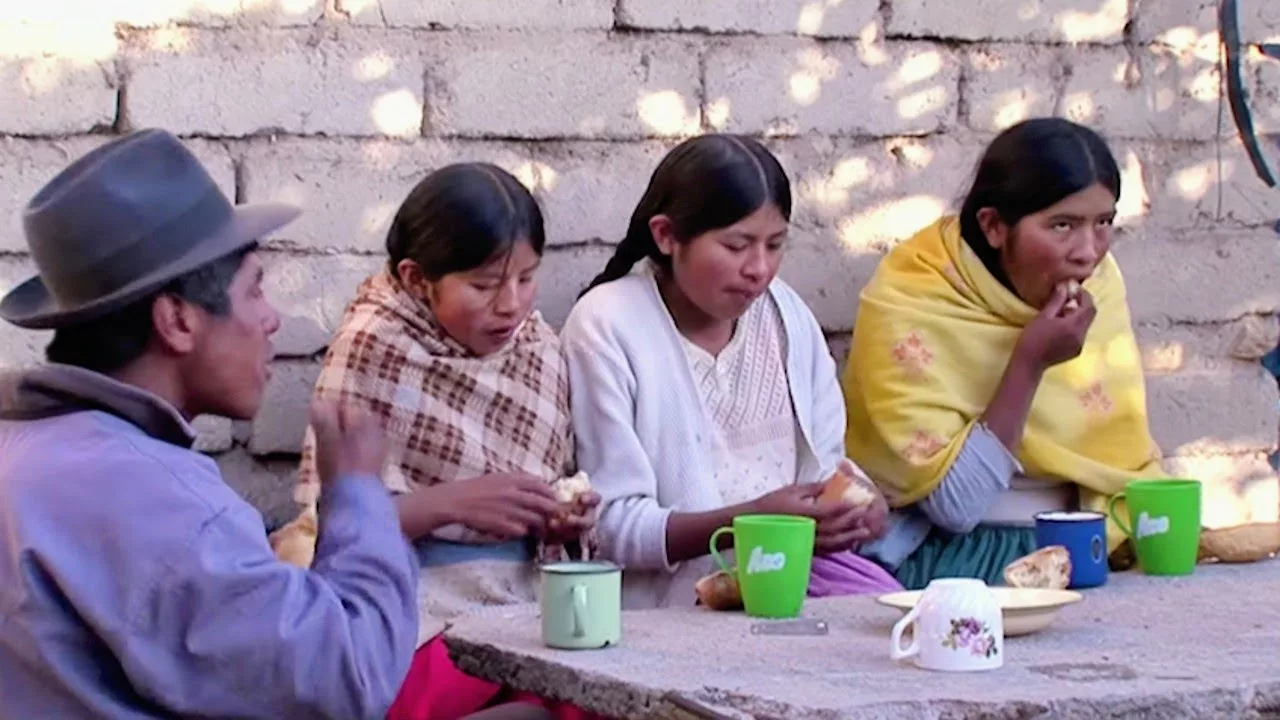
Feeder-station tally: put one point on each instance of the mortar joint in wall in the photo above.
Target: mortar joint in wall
(121, 124)
(1061, 74)
(962, 95)
(239, 171)
(704, 100)
(886, 13)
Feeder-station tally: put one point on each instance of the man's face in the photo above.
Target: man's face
(226, 373)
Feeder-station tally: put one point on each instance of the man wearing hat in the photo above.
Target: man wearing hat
(134, 583)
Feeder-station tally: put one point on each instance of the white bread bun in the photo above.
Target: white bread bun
(1047, 568)
(848, 485)
(295, 543)
(1074, 288)
(719, 591)
(1240, 544)
(567, 489)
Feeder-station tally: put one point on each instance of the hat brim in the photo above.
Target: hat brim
(30, 305)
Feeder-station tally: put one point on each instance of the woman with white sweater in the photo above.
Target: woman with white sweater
(701, 386)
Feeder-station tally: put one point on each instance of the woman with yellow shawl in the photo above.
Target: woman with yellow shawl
(994, 372)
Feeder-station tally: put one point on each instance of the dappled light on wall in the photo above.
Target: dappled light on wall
(666, 112)
(915, 70)
(1084, 26)
(398, 112)
(865, 227)
(877, 110)
(813, 15)
(1196, 181)
(539, 177)
(816, 67)
(1134, 202)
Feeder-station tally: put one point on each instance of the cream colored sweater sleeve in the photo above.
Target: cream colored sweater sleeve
(633, 527)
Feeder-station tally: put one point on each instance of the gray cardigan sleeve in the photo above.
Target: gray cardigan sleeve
(980, 472)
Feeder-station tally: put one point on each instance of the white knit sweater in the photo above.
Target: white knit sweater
(643, 436)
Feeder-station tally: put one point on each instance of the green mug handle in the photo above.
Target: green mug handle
(579, 611)
(1111, 510)
(715, 551)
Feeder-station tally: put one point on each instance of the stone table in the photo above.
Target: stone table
(1204, 646)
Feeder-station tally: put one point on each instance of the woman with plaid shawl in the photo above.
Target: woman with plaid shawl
(444, 346)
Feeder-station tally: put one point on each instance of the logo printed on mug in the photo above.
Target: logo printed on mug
(1149, 526)
(762, 562)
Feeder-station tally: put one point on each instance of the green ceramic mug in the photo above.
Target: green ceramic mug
(581, 605)
(1163, 522)
(774, 554)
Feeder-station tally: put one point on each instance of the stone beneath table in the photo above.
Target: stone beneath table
(1205, 646)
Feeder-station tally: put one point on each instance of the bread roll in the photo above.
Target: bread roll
(719, 591)
(1047, 568)
(567, 489)
(1241, 544)
(1073, 295)
(848, 485)
(295, 543)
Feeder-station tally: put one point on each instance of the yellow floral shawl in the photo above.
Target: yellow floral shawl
(934, 332)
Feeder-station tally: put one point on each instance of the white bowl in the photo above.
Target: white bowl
(1025, 610)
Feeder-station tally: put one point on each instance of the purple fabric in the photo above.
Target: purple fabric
(847, 573)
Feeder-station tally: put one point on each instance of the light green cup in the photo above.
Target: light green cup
(581, 605)
(1163, 522)
(774, 554)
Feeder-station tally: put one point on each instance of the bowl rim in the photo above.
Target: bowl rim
(1055, 599)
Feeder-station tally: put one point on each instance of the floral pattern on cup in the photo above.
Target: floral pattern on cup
(971, 634)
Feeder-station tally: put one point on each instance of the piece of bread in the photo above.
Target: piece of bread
(1047, 568)
(295, 543)
(849, 486)
(1073, 295)
(567, 489)
(1240, 544)
(719, 591)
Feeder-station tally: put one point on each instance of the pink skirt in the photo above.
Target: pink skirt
(436, 689)
(848, 573)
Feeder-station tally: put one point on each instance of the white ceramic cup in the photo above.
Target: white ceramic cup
(957, 628)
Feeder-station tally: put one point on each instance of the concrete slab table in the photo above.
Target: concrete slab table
(1205, 646)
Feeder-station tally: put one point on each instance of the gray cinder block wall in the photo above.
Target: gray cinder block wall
(877, 108)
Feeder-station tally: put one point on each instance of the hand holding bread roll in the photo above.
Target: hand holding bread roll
(569, 489)
(847, 484)
(573, 520)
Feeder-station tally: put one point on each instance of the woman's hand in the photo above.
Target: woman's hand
(505, 505)
(799, 499)
(1057, 334)
(842, 526)
(569, 525)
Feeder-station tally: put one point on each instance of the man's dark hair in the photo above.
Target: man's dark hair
(110, 343)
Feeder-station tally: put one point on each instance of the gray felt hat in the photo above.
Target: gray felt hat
(121, 223)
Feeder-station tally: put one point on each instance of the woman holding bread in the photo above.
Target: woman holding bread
(443, 345)
(702, 386)
(994, 372)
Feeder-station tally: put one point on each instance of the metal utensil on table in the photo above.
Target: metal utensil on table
(801, 626)
(692, 708)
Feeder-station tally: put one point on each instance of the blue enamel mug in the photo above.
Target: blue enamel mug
(1084, 535)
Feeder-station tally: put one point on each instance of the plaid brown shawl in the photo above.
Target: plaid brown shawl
(448, 415)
